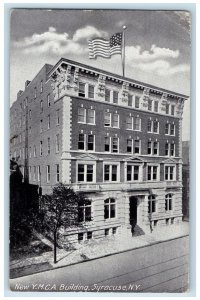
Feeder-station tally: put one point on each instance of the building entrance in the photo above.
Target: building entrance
(133, 211)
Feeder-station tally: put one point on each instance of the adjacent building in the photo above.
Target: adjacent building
(116, 139)
(186, 179)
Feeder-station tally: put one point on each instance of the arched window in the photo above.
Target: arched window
(109, 208)
(151, 204)
(168, 202)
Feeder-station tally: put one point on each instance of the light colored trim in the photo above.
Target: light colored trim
(125, 154)
(114, 104)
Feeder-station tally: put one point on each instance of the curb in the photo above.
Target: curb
(106, 255)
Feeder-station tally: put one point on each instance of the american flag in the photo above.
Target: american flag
(105, 48)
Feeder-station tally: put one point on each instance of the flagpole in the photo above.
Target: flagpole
(123, 50)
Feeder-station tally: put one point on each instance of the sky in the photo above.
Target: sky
(157, 45)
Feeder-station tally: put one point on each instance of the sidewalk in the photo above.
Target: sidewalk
(93, 249)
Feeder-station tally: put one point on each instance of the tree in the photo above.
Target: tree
(61, 209)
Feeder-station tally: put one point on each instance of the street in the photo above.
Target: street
(158, 268)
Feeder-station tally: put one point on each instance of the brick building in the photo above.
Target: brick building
(117, 139)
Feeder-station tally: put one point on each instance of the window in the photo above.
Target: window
(129, 123)
(30, 130)
(81, 91)
(168, 202)
(41, 126)
(34, 173)
(115, 97)
(155, 126)
(149, 125)
(57, 143)
(41, 86)
(167, 149)
(130, 100)
(48, 173)
(38, 172)
(172, 129)
(137, 102)
(155, 148)
(169, 172)
(34, 151)
(58, 117)
(35, 92)
(109, 208)
(115, 142)
(132, 173)
(114, 230)
(149, 147)
(41, 106)
(152, 172)
(40, 148)
(81, 141)
(91, 116)
(107, 95)
(57, 173)
(85, 211)
(48, 146)
(30, 114)
(156, 106)
(89, 173)
(89, 235)
(149, 104)
(107, 119)
(116, 120)
(172, 110)
(29, 172)
(90, 142)
(167, 128)
(80, 236)
(81, 115)
(48, 122)
(20, 138)
(48, 100)
(106, 231)
(110, 172)
(91, 91)
(172, 150)
(85, 173)
(137, 146)
(167, 108)
(151, 204)
(137, 122)
(129, 145)
(81, 173)
(58, 90)
(29, 152)
(107, 144)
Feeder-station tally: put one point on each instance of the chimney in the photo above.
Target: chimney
(27, 83)
(19, 93)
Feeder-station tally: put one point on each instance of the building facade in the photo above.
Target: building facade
(116, 139)
(186, 179)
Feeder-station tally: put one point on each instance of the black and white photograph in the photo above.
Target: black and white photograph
(99, 150)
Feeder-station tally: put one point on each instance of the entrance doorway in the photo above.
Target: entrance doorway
(133, 211)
